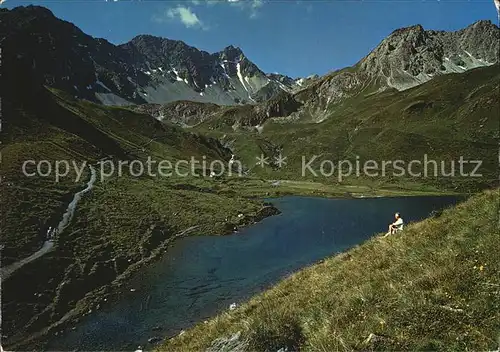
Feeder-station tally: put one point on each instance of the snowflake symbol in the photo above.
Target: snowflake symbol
(280, 160)
(262, 161)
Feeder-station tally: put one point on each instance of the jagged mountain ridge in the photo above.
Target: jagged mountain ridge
(156, 70)
(147, 69)
(412, 55)
(407, 58)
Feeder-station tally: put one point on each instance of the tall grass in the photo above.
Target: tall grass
(434, 287)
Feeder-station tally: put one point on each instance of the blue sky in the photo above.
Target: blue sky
(297, 38)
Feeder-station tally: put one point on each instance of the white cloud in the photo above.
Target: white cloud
(2, 1)
(255, 5)
(252, 6)
(183, 14)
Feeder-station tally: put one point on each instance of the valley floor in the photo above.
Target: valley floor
(261, 188)
(435, 287)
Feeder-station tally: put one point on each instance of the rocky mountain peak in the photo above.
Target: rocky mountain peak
(146, 69)
(142, 39)
(232, 53)
(412, 55)
(483, 24)
(159, 70)
(406, 58)
(415, 28)
(38, 11)
(281, 78)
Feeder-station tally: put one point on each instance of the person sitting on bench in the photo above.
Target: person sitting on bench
(396, 226)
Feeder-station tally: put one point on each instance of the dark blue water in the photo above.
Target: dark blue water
(200, 276)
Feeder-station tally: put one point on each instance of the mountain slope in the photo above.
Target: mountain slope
(406, 58)
(411, 56)
(149, 69)
(449, 117)
(146, 69)
(434, 287)
(122, 223)
(41, 124)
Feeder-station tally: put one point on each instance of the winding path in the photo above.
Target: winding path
(48, 245)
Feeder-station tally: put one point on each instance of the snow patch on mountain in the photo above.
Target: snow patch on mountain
(238, 72)
(112, 99)
(103, 85)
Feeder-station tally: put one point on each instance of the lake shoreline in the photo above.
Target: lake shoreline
(268, 189)
(339, 286)
(236, 253)
(111, 292)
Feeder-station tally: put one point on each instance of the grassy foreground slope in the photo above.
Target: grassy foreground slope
(434, 287)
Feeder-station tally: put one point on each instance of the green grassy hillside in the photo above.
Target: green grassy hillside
(120, 225)
(433, 287)
(57, 127)
(450, 116)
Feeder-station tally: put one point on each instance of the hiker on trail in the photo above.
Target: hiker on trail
(396, 226)
(51, 233)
